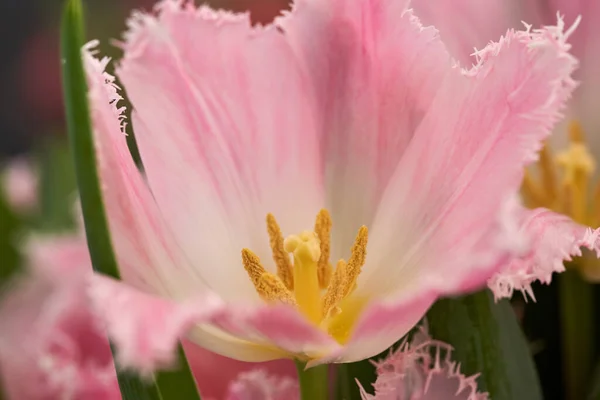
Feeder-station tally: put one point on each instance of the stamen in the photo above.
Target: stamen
(323, 231)
(306, 250)
(548, 174)
(578, 166)
(595, 217)
(531, 191)
(334, 294)
(269, 287)
(576, 132)
(281, 258)
(357, 259)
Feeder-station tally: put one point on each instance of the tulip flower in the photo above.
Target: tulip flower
(311, 186)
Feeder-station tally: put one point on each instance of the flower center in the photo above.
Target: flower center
(307, 280)
(563, 182)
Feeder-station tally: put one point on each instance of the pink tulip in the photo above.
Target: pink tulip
(351, 107)
(20, 185)
(422, 370)
(51, 345)
(216, 375)
(470, 24)
(258, 385)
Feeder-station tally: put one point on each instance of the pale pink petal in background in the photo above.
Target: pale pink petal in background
(422, 370)
(214, 373)
(257, 384)
(555, 239)
(19, 181)
(51, 346)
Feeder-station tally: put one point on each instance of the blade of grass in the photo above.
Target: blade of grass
(167, 385)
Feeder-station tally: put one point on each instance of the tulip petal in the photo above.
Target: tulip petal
(280, 326)
(467, 25)
(146, 329)
(259, 385)
(422, 370)
(555, 238)
(225, 127)
(374, 70)
(146, 253)
(448, 218)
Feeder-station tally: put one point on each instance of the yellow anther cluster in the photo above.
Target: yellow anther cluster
(302, 282)
(563, 183)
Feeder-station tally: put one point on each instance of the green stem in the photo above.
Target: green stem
(576, 313)
(313, 382)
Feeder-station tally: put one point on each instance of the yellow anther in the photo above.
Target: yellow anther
(548, 174)
(252, 266)
(272, 290)
(306, 250)
(280, 256)
(576, 132)
(334, 293)
(269, 287)
(357, 259)
(323, 231)
(578, 165)
(533, 195)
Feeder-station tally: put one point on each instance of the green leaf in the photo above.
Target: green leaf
(80, 135)
(57, 185)
(576, 308)
(180, 383)
(96, 226)
(9, 228)
(487, 339)
(347, 374)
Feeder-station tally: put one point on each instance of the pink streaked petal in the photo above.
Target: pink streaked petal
(20, 185)
(451, 204)
(467, 25)
(225, 124)
(145, 328)
(422, 370)
(555, 238)
(50, 344)
(147, 255)
(280, 326)
(259, 385)
(214, 373)
(375, 71)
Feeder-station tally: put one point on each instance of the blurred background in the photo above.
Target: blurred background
(31, 111)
